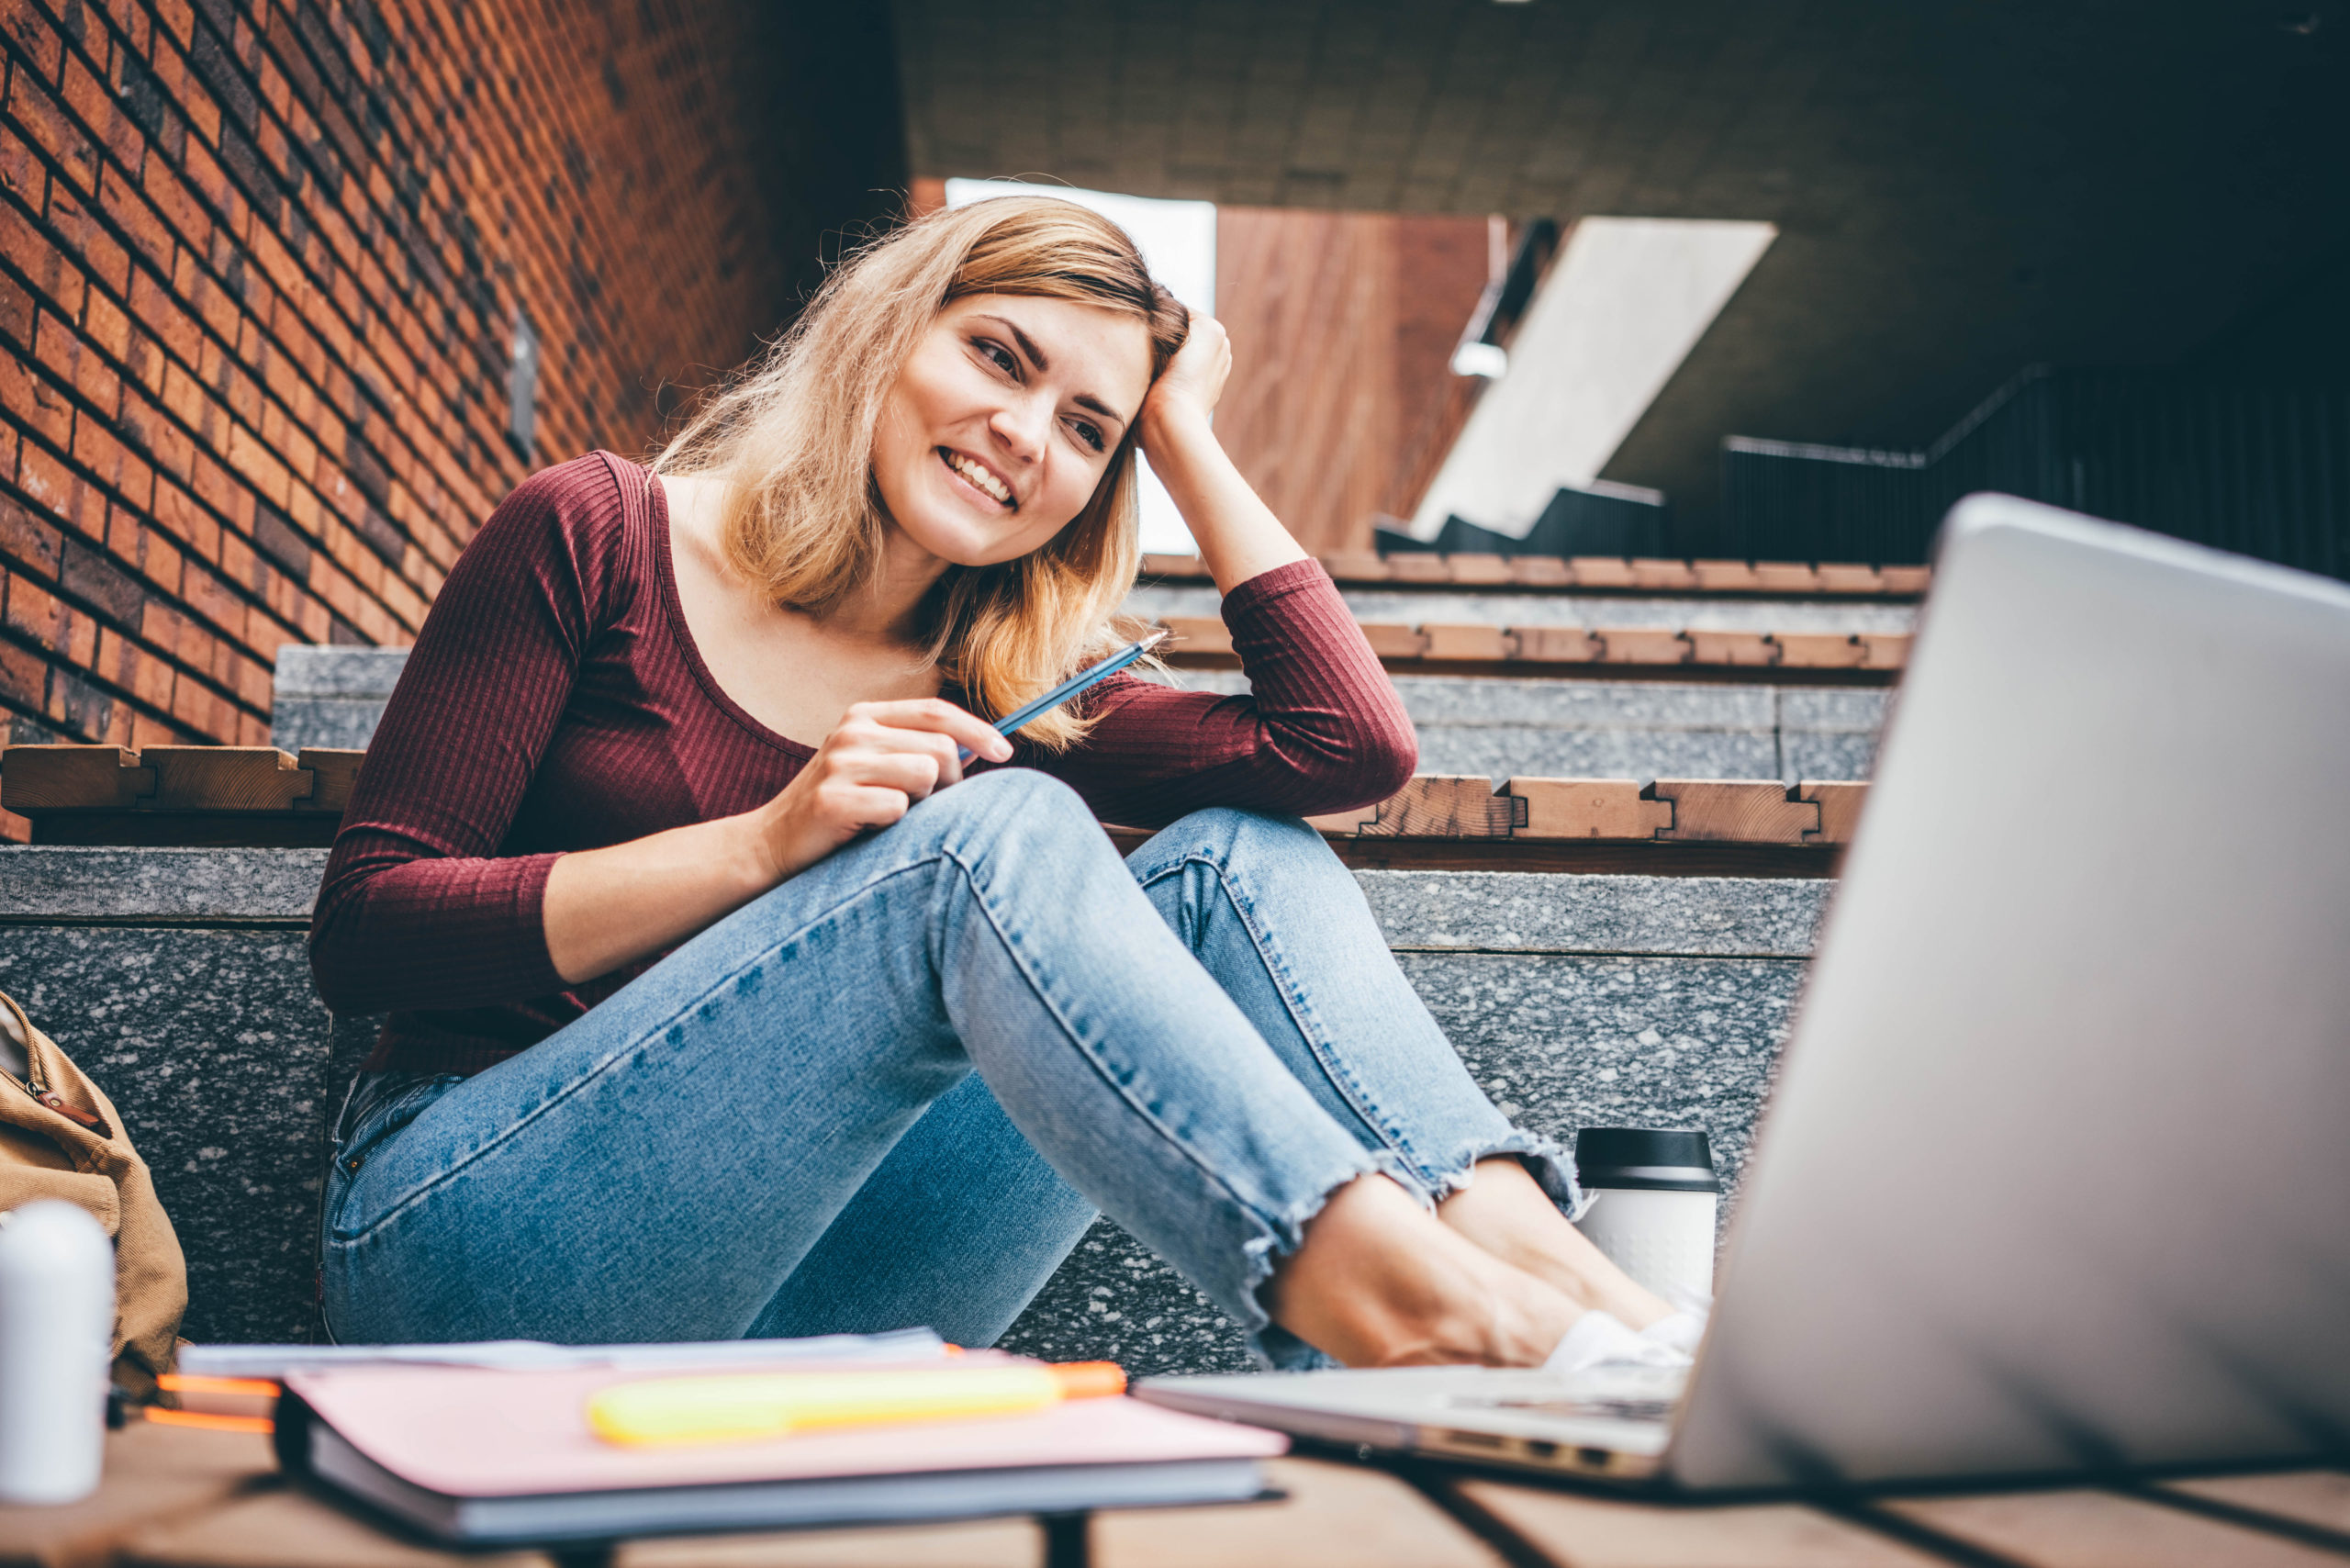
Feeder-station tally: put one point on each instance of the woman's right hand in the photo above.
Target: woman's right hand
(880, 759)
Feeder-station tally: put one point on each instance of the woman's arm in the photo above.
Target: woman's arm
(607, 907)
(1238, 534)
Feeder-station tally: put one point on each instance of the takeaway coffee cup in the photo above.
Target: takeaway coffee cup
(1653, 1194)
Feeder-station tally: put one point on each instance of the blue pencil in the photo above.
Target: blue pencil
(1070, 687)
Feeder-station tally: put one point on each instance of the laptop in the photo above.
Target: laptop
(2055, 1179)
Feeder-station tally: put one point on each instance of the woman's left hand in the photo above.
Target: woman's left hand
(1191, 383)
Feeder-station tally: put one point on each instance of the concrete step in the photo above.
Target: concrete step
(178, 979)
(1498, 726)
(1503, 607)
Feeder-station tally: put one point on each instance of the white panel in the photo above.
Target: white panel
(1620, 311)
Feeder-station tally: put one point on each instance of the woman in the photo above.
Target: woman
(724, 1001)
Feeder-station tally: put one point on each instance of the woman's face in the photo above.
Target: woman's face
(1004, 421)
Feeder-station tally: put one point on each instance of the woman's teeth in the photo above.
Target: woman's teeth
(980, 476)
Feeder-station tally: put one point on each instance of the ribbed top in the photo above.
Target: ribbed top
(554, 702)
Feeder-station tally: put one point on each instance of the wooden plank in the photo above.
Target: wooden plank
(72, 779)
(1579, 1530)
(2319, 1499)
(1669, 576)
(1539, 571)
(152, 1473)
(1458, 642)
(1335, 1515)
(224, 778)
(979, 1543)
(1557, 645)
(1725, 577)
(1887, 650)
(1785, 577)
(1587, 808)
(1417, 566)
(1355, 565)
(2083, 1528)
(1601, 571)
(1731, 647)
(1840, 804)
(1734, 811)
(1819, 650)
(334, 771)
(1642, 645)
(1475, 570)
(277, 1528)
(1906, 579)
(1173, 566)
(1433, 805)
(1198, 633)
(1836, 576)
(1392, 640)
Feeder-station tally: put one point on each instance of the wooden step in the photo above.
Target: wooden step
(261, 797)
(1596, 573)
(1858, 658)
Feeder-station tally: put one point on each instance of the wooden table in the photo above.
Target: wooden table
(177, 1498)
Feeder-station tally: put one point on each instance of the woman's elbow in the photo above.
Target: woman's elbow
(1374, 762)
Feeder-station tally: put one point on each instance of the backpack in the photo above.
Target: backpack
(59, 1137)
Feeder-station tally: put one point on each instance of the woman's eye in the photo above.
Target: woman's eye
(1001, 356)
(1090, 434)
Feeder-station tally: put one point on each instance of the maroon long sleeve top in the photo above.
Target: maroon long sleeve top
(554, 701)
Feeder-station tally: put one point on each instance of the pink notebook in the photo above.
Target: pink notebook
(479, 1456)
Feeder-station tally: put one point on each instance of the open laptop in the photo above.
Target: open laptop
(2056, 1176)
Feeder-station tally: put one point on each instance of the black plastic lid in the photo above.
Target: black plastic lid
(1654, 1159)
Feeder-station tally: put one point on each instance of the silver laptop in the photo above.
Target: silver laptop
(2056, 1176)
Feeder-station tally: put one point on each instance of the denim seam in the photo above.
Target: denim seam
(1425, 1183)
(636, 1048)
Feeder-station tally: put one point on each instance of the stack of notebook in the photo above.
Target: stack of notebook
(475, 1456)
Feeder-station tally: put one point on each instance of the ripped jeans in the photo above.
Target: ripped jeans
(894, 1090)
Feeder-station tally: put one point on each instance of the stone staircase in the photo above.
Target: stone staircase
(176, 973)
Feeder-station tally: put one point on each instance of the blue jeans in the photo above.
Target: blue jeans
(778, 1129)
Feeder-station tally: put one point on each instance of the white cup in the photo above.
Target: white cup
(56, 1350)
(1653, 1198)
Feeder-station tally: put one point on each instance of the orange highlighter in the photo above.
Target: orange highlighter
(672, 1411)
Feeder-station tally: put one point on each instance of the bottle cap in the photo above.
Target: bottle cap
(1089, 1380)
(1653, 1160)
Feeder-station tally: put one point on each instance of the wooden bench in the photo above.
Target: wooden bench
(177, 1497)
(1588, 573)
(261, 797)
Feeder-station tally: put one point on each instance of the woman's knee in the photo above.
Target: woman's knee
(1230, 837)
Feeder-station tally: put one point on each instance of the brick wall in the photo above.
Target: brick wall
(263, 261)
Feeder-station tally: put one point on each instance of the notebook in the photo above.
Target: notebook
(478, 1457)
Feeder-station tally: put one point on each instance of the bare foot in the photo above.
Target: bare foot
(1380, 1281)
(1506, 1212)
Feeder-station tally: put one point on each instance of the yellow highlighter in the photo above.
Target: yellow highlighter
(659, 1412)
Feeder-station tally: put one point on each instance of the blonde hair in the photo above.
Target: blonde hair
(794, 439)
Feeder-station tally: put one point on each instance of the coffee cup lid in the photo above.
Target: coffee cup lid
(1655, 1160)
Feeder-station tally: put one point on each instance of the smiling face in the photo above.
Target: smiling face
(1003, 422)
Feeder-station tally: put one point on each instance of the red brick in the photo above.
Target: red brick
(96, 109)
(177, 514)
(26, 29)
(177, 204)
(85, 239)
(21, 174)
(212, 600)
(35, 612)
(167, 446)
(170, 66)
(46, 482)
(106, 329)
(24, 676)
(33, 402)
(118, 195)
(153, 305)
(62, 350)
(215, 488)
(176, 17)
(115, 465)
(55, 277)
(28, 541)
(48, 126)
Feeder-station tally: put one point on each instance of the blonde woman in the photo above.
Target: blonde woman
(723, 1002)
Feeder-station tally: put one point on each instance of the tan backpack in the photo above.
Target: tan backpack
(59, 1138)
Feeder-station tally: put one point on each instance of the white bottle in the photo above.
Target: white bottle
(1653, 1196)
(56, 1345)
